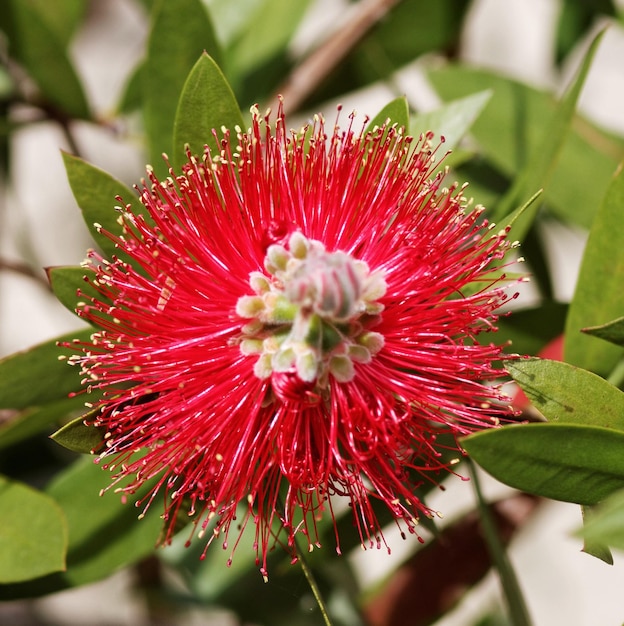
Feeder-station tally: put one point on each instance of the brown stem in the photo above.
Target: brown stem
(309, 74)
(25, 270)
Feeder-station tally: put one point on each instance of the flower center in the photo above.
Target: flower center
(311, 313)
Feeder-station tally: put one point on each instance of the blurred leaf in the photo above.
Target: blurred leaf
(599, 296)
(611, 331)
(132, 94)
(63, 16)
(538, 170)
(595, 546)
(511, 220)
(529, 330)
(180, 33)
(70, 286)
(268, 29)
(79, 437)
(229, 19)
(604, 525)
(511, 127)
(569, 462)
(29, 422)
(564, 393)
(104, 534)
(96, 194)
(37, 376)
(206, 103)
(576, 19)
(33, 533)
(40, 47)
(410, 29)
(397, 111)
(453, 119)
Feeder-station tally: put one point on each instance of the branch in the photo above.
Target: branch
(25, 270)
(304, 78)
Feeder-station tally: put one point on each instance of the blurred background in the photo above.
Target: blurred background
(525, 51)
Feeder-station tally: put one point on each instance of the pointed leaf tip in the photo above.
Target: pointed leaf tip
(79, 437)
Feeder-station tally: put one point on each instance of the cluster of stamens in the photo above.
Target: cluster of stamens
(311, 313)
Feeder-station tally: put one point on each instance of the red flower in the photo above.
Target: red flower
(299, 322)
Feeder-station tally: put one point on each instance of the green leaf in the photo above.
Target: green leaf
(511, 129)
(37, 376)
(79, 437)
(529, 330)
(539, 168)
(180, 32)
(510, 220)
(63, 16)
(397, 111)
(207, 103)
(33, 533)
(604, 525)
(70, 286)
(564, 393)
(104, 534)
(268, 29)
(595, 546)
(599, 296)
(569, 462)
(132, 93)
(34, 420)
(611, 331)
(96, 194)
(41, 48)
(453, 119)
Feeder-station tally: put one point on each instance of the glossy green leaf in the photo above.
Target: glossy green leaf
(70, 286)
(564, 393)
(599, 296)
(180, 32)
(79, 437)
(451, 120)
(542, 161)
(268, 29)
(33, 533)
(36, 376)
(34, 420)
(612, 332)
(40, 47)
(207, 103)
(397, 111)
(510, 129)
(104, 534)
(569, 462)
(96, 194)
(605, 524)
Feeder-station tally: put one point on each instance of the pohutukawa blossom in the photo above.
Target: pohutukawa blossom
(299, 322)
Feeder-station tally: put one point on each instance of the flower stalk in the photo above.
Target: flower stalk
(518, 612)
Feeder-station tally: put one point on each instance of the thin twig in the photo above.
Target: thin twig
(518, 613)
(309, 74)
(313, 585)
(25, 270)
